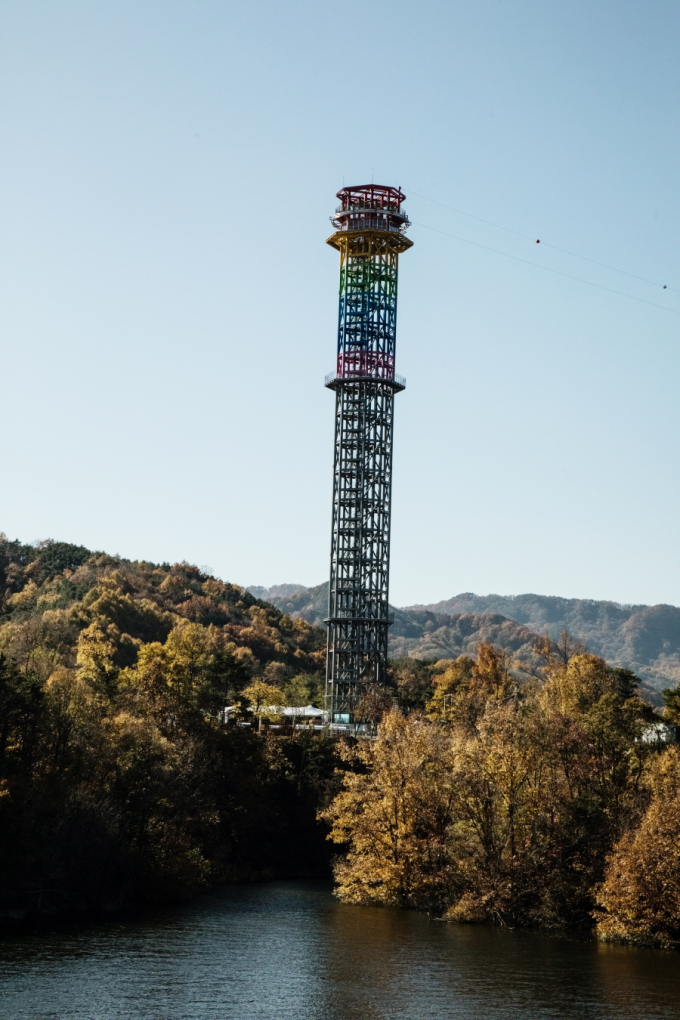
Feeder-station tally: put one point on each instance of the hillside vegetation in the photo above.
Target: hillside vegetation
(645, 639)
(513, 779)
(120, 781)
(542, 804)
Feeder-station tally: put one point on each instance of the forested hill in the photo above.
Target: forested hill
(70, 598)
(121, 780)
(645, 639)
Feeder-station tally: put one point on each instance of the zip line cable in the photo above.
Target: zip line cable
(463, 213)
(548, 269)
(554, 247)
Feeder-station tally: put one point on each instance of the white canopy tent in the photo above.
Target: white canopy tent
(288, 712)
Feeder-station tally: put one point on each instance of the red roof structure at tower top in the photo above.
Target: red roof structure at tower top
(370, 207)
(371, 196)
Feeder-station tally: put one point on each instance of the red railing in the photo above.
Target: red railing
(379, 366)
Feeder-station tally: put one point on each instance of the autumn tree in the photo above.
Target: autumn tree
(265, 700)
(450, 689)
(508, 812)
(671, 700)
(393, 815)
(374, 702)
(639, 900)
(411, 680)
(189, 676)
(462, 692)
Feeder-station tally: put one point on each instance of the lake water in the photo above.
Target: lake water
(289, 951)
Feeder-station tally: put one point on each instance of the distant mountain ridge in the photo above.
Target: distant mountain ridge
(643, 638)
(276, 591)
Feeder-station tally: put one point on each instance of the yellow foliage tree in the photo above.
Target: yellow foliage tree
(72, 708)
(265, 700)
(394, 814)
(508, 813)
(462, 692)
(639, 899)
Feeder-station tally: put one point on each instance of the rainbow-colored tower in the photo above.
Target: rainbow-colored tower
(370, 237)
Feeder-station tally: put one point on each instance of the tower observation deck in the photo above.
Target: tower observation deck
(370, 237)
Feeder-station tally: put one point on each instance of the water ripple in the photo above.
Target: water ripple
(289, 951)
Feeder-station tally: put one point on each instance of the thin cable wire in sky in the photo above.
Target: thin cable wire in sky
(546, 244)
(548, 269)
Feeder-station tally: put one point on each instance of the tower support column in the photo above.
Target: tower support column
(369, 238)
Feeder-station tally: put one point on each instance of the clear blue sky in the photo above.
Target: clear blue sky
(168, 304)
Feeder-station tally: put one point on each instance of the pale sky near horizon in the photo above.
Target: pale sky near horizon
(168, 304)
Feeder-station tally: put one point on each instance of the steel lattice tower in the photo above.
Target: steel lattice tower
(370, 237)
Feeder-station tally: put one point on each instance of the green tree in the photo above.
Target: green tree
(304, 689)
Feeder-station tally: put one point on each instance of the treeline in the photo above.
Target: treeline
(121, 781)
(537, 800)
(530, 793)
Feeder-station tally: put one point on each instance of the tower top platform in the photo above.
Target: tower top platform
(374, 196)
(370, 206)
